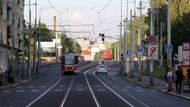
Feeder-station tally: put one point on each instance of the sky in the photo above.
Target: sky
(101, 16)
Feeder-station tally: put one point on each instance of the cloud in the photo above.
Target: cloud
(76, 16)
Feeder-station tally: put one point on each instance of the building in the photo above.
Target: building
(11, 35)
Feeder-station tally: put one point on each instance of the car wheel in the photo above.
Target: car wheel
(96, 73)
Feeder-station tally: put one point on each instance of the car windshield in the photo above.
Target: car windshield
(101, 66)
(69, 60)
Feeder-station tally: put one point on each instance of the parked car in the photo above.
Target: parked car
(103, 69)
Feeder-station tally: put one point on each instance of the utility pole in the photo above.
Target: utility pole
(151, 33)
(140, 41)
(169, 56)
(131, 45)
(125, 40)
(35, 37)
(161, 53)
(29, 46)
(120, 52)
(134, 34)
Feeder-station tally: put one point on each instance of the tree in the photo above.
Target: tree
(70, 45)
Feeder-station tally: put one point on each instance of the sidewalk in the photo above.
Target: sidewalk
(159, 85)
(18, 80)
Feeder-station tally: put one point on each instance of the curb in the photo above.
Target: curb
(160, 90)
(177, 95)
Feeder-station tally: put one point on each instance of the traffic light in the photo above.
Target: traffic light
(103, 37)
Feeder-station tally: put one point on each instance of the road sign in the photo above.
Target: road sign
(140, 49)
(169, 48)
(152, 40)
(153, 52)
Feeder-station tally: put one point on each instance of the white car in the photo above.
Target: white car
(101, 69)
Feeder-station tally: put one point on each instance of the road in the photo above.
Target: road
(85, 89)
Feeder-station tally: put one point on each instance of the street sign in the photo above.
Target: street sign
(153, 52)
(169, 48)
(140, 49)
(152, 40)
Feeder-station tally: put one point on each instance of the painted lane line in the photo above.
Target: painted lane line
(79, 89)
(101, 90)
(58, 90)
(44, 93)
(7, 91)
(68, 91)
(145, 105)
(30, 87)
(114, 92)
(62, 86)
(20, 91)
(93, 95)
(34, 90)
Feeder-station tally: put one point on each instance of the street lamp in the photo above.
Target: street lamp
(39, 39)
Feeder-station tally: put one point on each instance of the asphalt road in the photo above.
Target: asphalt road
(85, 89)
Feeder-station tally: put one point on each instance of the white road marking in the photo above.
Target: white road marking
(98, 86)
(139, 90)
(114, 92)
(93, 95)
(138, 100)
(68, 91)
(34, 90)
(79, 89)
(44, 93)
(124, 90)
(7, 91)
(58, 90)
(101, 90)
(20, 91)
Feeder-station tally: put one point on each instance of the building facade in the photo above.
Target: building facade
(11, 35)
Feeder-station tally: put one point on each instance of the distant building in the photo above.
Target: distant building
(11, 32)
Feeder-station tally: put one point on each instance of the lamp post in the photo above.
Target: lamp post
(120, 39)
(39, 39)
(169, 34)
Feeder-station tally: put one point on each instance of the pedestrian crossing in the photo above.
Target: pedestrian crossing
(78, 88)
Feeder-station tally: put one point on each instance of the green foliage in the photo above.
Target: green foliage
(180, 15)
(70, 45)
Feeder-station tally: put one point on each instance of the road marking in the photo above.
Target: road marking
(44, 93)
(79, 85)
(93, 95)
(114, 91)
(58, 90)
(79, 89)
(7, 91)
(98, 86)
(34, 90)
(20, 91)
(124, 90)
(68, 91)
(101, 90)
(30, 87)
(138, 100)
(139, 90)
